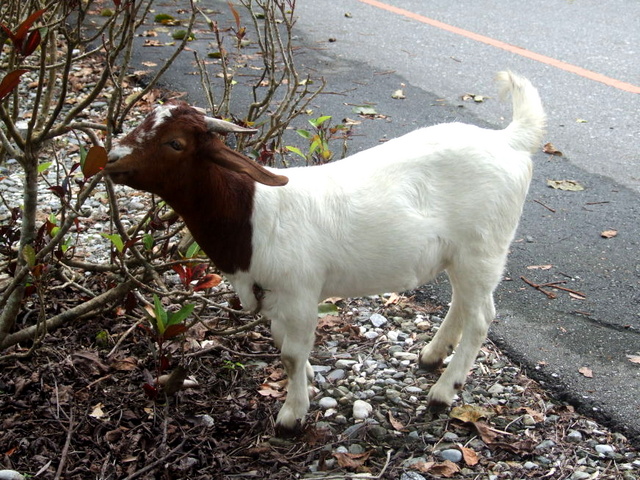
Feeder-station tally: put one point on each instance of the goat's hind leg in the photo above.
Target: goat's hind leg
(473, 308)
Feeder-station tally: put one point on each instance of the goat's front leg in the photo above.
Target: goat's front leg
(296, 336)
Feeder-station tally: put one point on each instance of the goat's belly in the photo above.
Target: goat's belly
(368, 280)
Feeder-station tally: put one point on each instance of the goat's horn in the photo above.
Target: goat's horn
(222, 126)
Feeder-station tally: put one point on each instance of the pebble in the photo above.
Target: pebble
(574, 436)
(545, 445)
(377, 320)
(606, 450)
(452, 454)
(327, 403)
(361, 409)
(411, 476)
(579, 475)
(335, 375)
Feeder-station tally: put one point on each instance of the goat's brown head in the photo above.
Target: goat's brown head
(175, 141)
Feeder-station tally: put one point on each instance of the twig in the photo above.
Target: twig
(539, 287)
(65, 449)
(122, 337)
(152, 465)
(545, 206)
(556, 285)
(368, 476)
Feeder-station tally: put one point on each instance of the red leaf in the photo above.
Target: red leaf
(9, 82)
(25, 26)
(173, 331)
(95, 161)
(183, 273)
(117, 2)
(150, 390)
(33, 40)
(208, 281)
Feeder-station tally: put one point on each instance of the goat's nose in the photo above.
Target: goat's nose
(118, 152)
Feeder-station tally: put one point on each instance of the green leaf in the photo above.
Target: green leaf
(193, 250)
(177, 317)
(43, 167)
(29, 254)
(148, 241)
(296, 150)
(327, 309)
(161, 314)
(304, 133)
(116, 239)
(319, 121)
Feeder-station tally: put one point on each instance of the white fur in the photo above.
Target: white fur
(443, 198)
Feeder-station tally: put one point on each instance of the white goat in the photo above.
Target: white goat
(443, 198)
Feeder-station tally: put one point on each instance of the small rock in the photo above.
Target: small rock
(579, 475)
(411, 476)
(406, 356)
(335, 375)
(327, 402)
(545, 445)
(530, 465)
(377, 320)
(450, 437)
(605, 450)
(361, 409)
(10, 475)
(574, 436)
(452, 454)
(496, 389)
(528, 420)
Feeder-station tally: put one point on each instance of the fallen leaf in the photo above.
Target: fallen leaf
(125, 364)
(609, 233)
(634, 358)
(352, 461)
(551, 150)
(581, 120)
(472, 96)
(470, 457)
(393, 299)
(576, 296)
(469, 413)
(539, 267)
(523, 447)
(586, 371)
(487, 434)
(398, 95)
(445, 469)
(364, 110)
(397, 425)
(569, 185)
(97, 411)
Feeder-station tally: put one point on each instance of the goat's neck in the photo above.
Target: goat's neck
(217, 210)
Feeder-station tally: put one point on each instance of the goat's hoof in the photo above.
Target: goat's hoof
(437, 406)
(429, 366)
(283, 431)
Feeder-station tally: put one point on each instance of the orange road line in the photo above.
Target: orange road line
(568, 67)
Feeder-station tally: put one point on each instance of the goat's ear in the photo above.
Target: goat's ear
(222, 126)
(236, 162)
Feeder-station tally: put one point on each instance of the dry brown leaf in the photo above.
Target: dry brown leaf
(352, 461)
(469, 413)
(393, 299)
(551, 150)
(125, 364)
(470, 457)
(445, 469)
(609, 233)
(586, 371)
(487, 433)
(397, 425)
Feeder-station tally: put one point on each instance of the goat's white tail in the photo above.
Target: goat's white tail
(527, 127)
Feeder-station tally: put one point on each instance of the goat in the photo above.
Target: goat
(442, 198)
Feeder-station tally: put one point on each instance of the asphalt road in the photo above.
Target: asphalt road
(583, 57)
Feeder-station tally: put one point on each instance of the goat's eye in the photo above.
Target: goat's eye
(176, 145)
